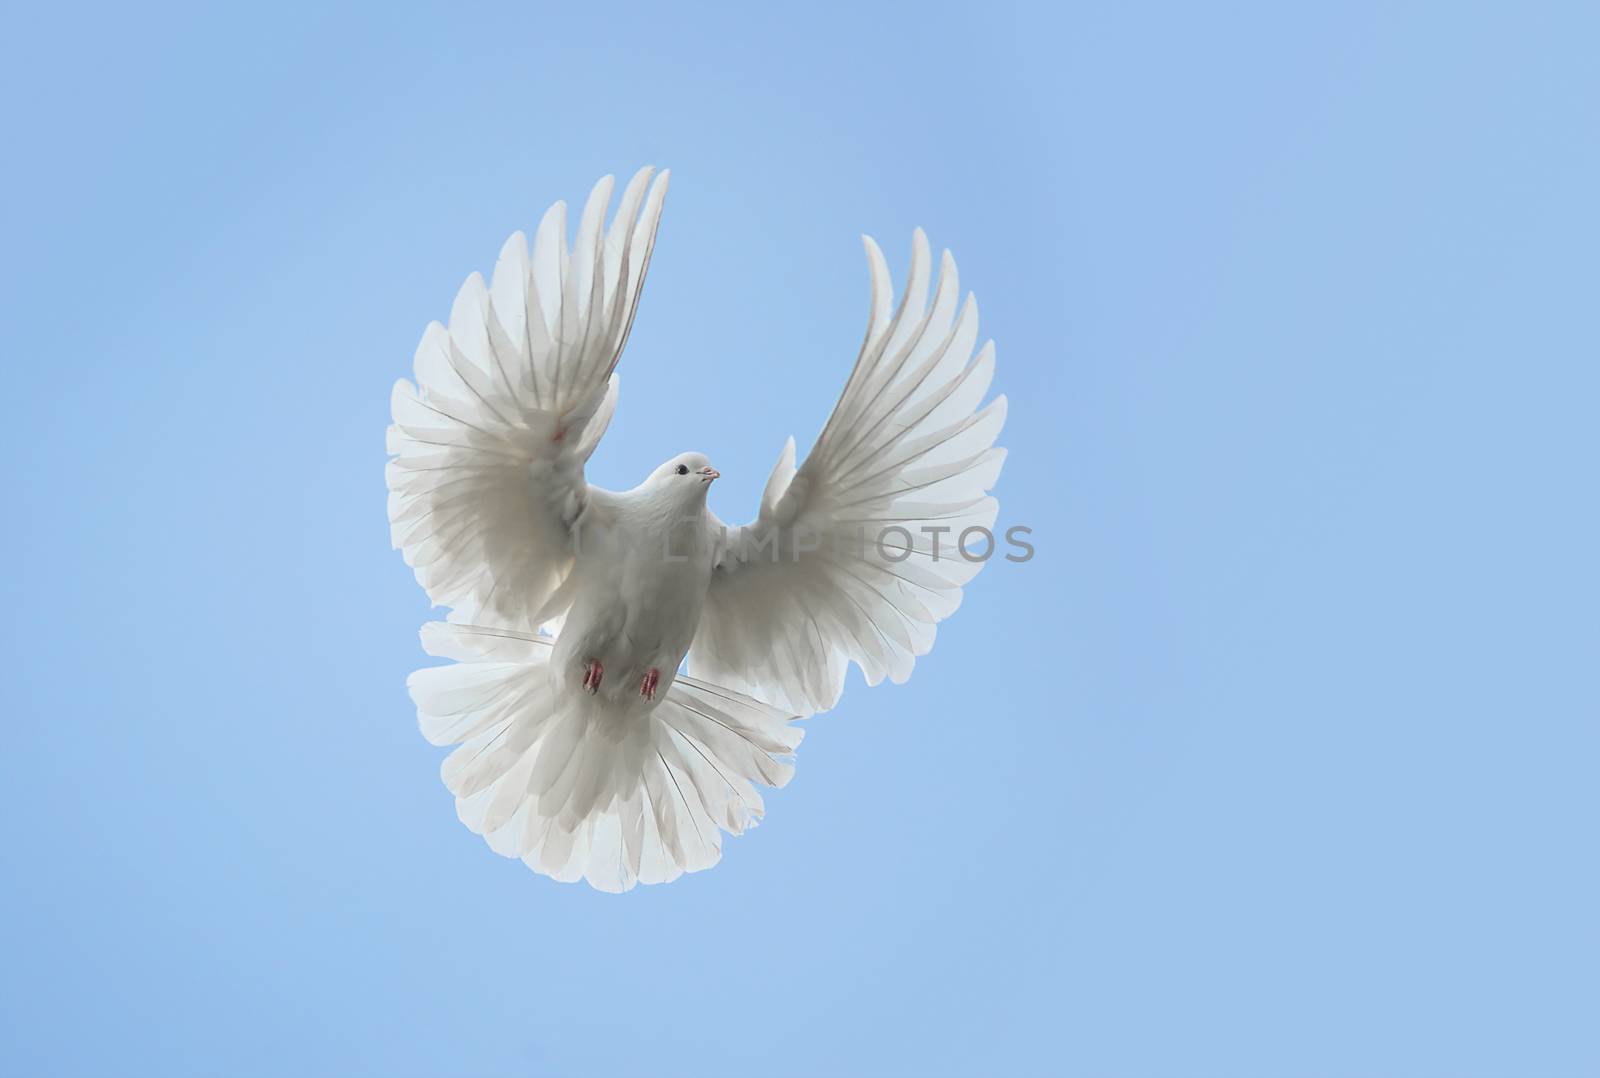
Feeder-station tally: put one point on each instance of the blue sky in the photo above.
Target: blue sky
(1279, 758)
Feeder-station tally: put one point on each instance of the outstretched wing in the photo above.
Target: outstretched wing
(855, 557)
(510, 401)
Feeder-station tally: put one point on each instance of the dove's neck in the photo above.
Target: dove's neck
(663, 511)
(665, 539)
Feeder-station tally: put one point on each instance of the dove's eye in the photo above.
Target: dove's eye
(683, 469)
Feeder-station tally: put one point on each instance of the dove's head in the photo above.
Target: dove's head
(686, 477)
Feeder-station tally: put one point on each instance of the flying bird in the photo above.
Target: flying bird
(627, 669)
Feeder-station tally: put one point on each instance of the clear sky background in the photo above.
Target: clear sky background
(1278, 759)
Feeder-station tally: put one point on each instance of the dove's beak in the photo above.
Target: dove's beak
(709, 473)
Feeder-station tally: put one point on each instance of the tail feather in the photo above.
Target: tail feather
(578, 791)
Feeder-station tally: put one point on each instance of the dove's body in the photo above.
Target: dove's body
(583, 750)
(641, 571)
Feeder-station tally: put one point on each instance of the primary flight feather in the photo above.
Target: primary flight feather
(583, 748)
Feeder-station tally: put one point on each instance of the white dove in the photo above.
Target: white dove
(584, 750)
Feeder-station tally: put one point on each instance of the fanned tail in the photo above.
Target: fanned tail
(578, 790)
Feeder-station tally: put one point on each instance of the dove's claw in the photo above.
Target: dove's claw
(592, 673)
(647, 687)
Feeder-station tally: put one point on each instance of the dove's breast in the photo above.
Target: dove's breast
(640, 590)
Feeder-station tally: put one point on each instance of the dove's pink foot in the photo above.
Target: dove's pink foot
(647, 687)
(592, 673)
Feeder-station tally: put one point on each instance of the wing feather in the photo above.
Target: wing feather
(489, 442)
